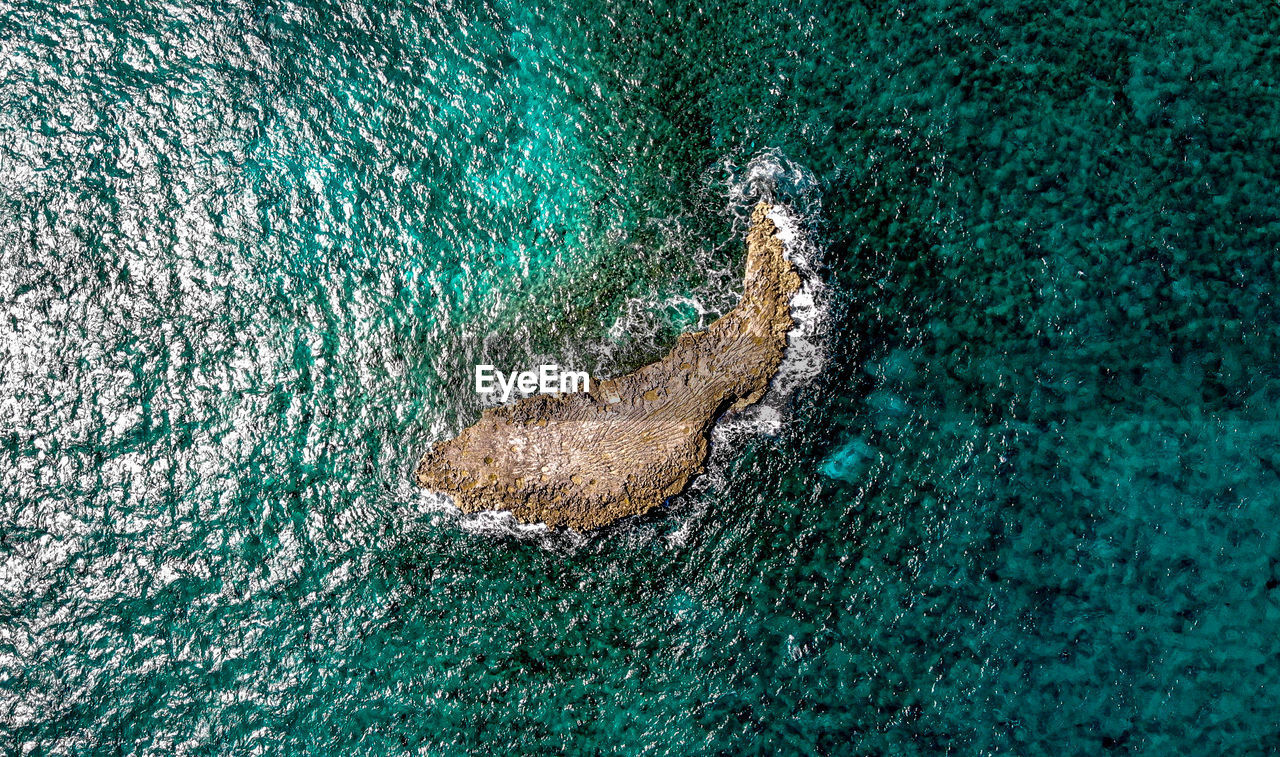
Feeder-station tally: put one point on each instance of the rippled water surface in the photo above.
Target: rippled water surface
(250, 251)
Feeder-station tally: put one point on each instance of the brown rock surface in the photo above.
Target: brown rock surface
(586, 459)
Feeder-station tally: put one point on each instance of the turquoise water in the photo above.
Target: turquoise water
(250, 251)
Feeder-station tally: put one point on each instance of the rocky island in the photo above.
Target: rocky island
(585, 459)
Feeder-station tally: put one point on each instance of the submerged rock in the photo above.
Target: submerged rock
(584, 460)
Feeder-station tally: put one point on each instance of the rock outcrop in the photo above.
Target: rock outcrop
(586, 459)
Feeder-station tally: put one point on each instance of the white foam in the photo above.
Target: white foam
(806, 341)
(437, 509)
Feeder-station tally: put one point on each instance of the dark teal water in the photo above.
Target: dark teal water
(249, 252)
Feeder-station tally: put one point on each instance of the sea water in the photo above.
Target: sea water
(1020, 496)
